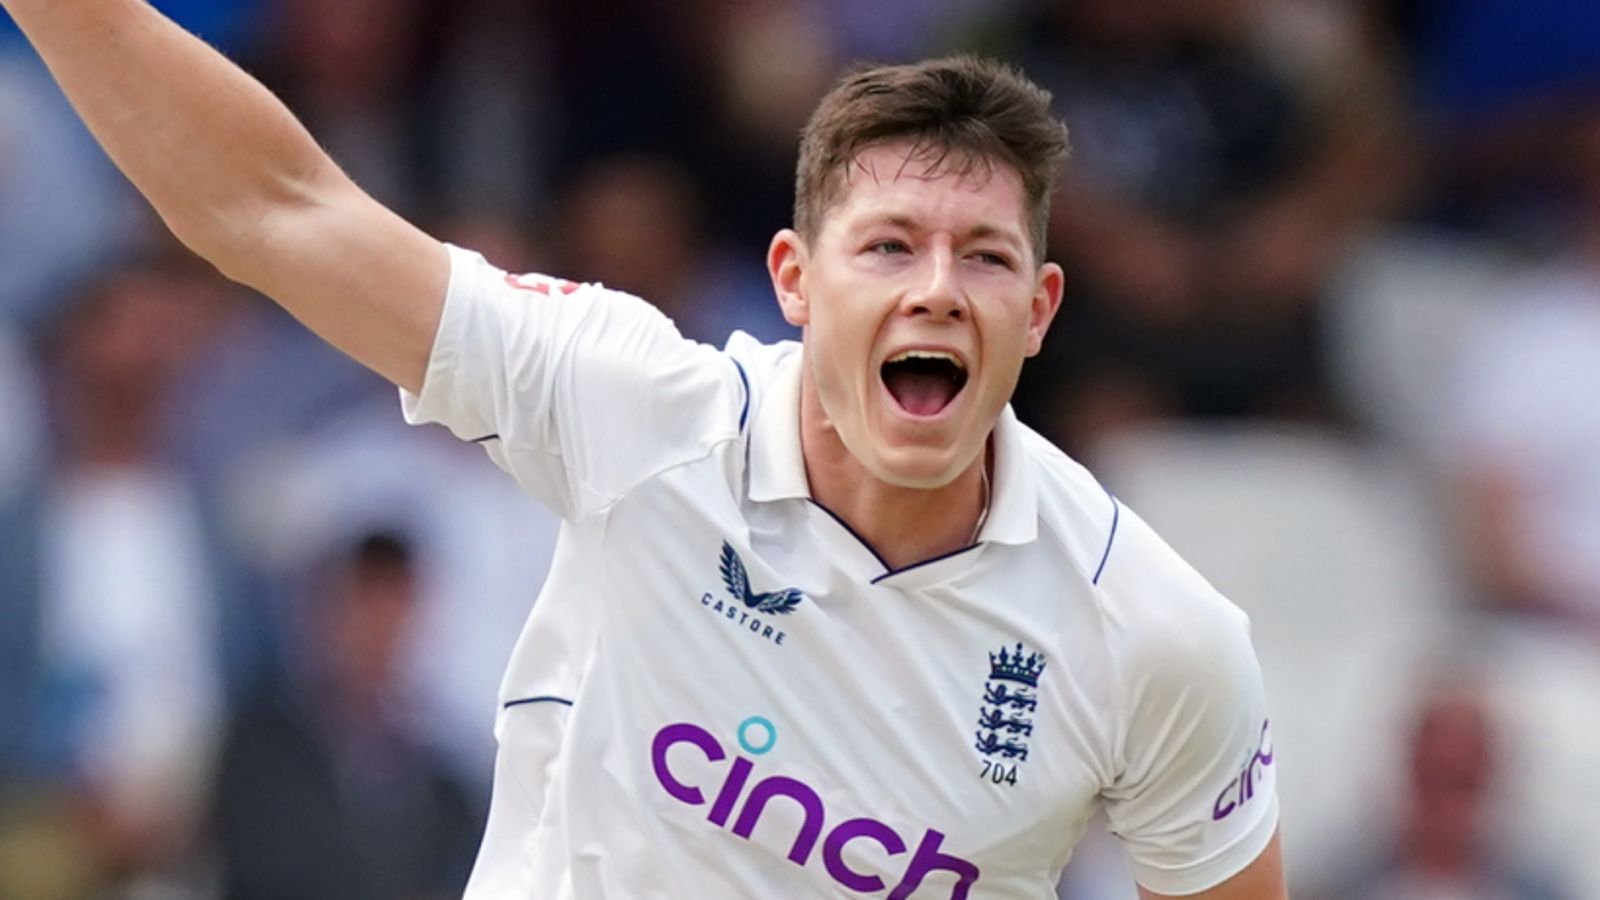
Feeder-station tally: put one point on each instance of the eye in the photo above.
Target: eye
(991, 258)
(888, 247)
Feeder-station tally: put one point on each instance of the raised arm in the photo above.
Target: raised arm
(241, 182)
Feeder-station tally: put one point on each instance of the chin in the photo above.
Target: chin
(917, 468)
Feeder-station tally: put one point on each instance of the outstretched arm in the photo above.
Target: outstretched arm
(241, 182)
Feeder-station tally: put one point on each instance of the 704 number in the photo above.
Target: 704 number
(999, 773)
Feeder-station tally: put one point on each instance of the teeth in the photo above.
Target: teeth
(927, 354)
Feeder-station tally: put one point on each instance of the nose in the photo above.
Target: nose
(937, 292)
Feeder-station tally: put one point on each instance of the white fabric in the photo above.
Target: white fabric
(663, 737)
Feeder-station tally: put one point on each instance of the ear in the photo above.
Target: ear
(786, 263)
(1046, 301)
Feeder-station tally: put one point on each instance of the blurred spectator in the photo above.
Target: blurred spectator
(494, 116)
(636, 224)
(1443, 846)
(352, 71)
(483, 552)
(1524, 449)
(126, 582)
(236, 372)
(349, 71)
(256, 377)
(1210, 192)
(719, 88)
(629, 77)
(438, 109)
(323, 790)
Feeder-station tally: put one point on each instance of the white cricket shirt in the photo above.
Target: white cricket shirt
(723, 693)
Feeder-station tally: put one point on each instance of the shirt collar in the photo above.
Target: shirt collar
(1014, 507)
(778, 468)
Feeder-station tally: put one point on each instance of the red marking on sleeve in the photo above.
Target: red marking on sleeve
(542, 284)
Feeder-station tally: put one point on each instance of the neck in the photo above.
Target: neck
(904, 526)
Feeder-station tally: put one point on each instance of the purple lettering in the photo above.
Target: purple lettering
(730, 791)
(833, 852)
(682, 733)
(1218, 810)
(929, 859)
(1243, 788)
(795, 790)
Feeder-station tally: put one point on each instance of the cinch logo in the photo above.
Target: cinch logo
(749, 606)
(1241, 789)
(731, 795)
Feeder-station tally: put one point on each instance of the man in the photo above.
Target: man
(327, 790)
(823, 620)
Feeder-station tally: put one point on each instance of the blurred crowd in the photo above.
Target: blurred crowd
(1332, 325)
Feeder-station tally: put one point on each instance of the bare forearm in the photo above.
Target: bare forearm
(211, 148)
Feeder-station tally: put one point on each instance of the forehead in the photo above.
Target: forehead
(901, 181)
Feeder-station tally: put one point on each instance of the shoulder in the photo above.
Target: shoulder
(1187, 686)
(1159, 614)
(474, 280)
(1138, 580)
(1169, 622)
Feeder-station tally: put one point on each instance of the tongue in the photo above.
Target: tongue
(920, 393)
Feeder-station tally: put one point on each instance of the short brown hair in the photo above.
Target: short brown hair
(958, 112)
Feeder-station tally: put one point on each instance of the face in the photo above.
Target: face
(920, 297)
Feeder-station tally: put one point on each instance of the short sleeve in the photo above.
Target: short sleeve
(577, 391)
(1194, 800)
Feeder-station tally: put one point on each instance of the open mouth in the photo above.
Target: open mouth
(924, 382)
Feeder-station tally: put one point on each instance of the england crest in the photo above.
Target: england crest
(1005, 717)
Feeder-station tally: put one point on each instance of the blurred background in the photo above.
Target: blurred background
(1332, 326)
